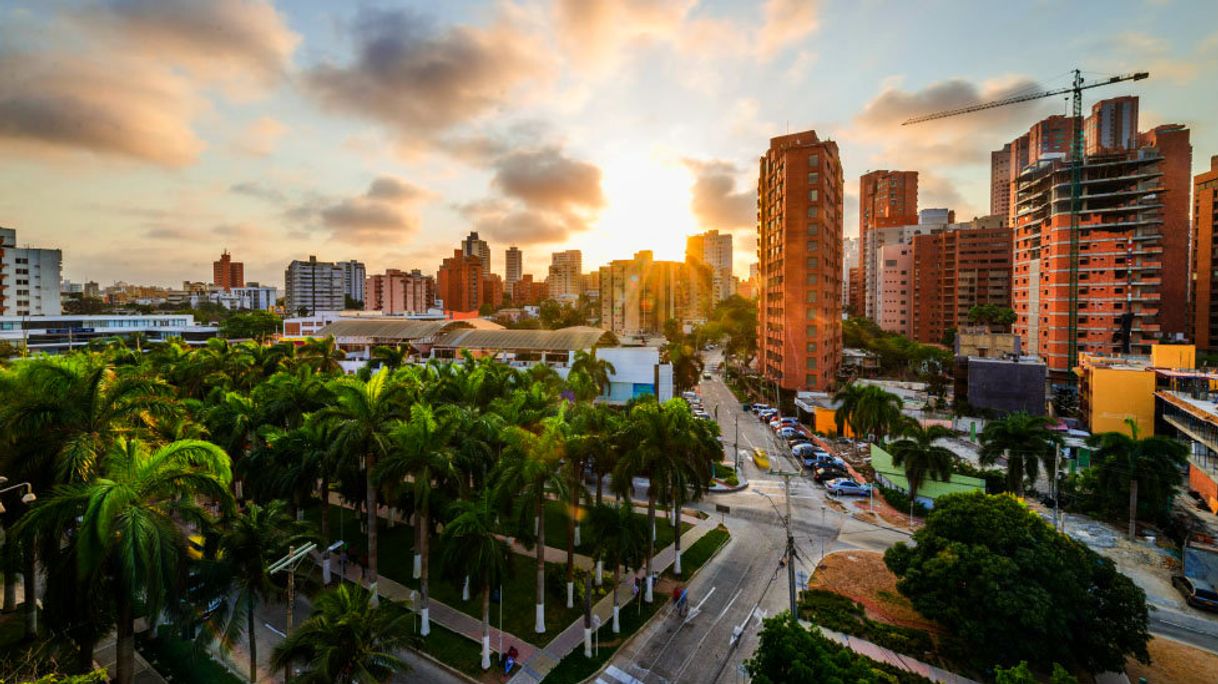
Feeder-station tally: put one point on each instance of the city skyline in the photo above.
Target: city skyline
(290, 138)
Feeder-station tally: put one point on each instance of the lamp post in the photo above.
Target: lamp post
(31, 610)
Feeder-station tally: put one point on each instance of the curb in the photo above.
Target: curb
(630, 639)
(724, 489)
(445, 666)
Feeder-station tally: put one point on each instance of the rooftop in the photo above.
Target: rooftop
(566, 339)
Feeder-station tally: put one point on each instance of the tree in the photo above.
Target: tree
(1025, 440)
(474, 549)
(596, 371)
(917, 452)
(1022, 674)
(349, 639)
(323, 355)
(1149, 466)
(991, 314)
(123, 526)
(420, 448)
(686, 364)
(787, 653)
(529, 469)
(250, 543)
(390, 357)
(868, 410)
(619, 537)
(1009, 588)
(250, 325)
(361, 418)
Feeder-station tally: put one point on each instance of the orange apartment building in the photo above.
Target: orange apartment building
(492, 290)
(1205, 258)
(1121, 256)
(526, 292)
(459, 282)
(398, 292)
(1172, 141)
(955, 270)
(227, 273)
(886, 199)
(799, 250)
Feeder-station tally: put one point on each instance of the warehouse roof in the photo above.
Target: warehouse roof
(565, 339)
(392, 329)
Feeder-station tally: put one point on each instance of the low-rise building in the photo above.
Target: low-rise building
(59, 334)
(1115, 389)
(1003, 386)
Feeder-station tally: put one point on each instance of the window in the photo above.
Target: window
(813, 245)
(813, 179)
(811, 296)
(812, 278)
(812, 331)
(811, 347)
(810, 379)
(812, 313)
(813, 262)
(813, 230)
(814, 161)
(811, 363)
(813, 195)
(811, 212)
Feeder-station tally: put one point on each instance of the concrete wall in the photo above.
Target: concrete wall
(1117, 394)
(1006, 386)
(894, 476)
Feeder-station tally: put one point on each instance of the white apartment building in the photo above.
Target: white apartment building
(513, 267)
(714, 250)
(252, 297)
(564, 280)
(29, 278)
(354, 275)
(850, 259)
(315, 286)
(472, 245)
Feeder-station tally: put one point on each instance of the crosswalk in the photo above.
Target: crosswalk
(616, 674)
(800, 489)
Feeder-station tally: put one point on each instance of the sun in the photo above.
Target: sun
(647, 206)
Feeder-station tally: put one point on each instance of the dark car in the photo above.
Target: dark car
(1197, 593)
(827, 473)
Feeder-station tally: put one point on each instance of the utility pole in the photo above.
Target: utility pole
(1057, 457)
(786, 478)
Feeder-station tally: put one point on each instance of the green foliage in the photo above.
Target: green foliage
(97, 676)
(839, 613)
(899, 355)
(734, 320)
(1155, 463)
(900, 501)
(991, 314)
(868, 410)
(1010, 588)
(1025, 441)
(789, 654)
(183, 660)
(254, 325)
(921, 457)
(1022, 674)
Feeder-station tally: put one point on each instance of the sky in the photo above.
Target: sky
(141, 137)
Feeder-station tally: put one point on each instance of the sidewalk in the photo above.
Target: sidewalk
(890, 657)
(539, 664)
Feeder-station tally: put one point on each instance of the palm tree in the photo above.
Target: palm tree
(323, 355)
(531, 468)
(594, 371)
(869, 410)
(123, 526)
(286, 397)
(473, 548)
(361, 418)
(251, 542)
(349, 639)
(1025, 440)
(1152, 463)
(618, 537)
(420, 449)
(392, 358)
(689, 475)
(232, 423)
(917, 452)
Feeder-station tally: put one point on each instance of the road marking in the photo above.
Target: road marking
(729, 603)
(698, 608)
(616, 672)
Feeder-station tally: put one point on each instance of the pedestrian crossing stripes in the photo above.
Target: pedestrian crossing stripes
(617, 675)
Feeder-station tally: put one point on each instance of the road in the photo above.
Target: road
(746, 575)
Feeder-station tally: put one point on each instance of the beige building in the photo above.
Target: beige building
(715, 251)
(566, 271)
(638, 295)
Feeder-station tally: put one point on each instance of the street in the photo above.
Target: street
(745, 577)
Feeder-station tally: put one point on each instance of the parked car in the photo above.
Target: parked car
(746, 407)
(1197, 593)
(798, 440)
(800, 450)
(787, 432)
(829, 473)
(847, 487)
(706, 376)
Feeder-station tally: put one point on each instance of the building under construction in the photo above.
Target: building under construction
(1120, 255)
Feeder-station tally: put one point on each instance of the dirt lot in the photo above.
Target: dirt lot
(1175, 663)
(863, 577)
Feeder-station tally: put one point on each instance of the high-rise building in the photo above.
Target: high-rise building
(894, 279)
(528, 293)
(850, 261)
(492, 290)
(799, 246)
(886, 199)
(591, 284)
(513, 262)
(873, 243)
(29, 278)
(400, 292)
(1000, 181)
(566, 269)
(968, 264)
(227, 273)
(1112, 126)
(313, 286)
(714, 250)
(1051, 136)
(1172, 142)
(1205, 258)
(639, 295)
(1019, 156)
(1123, 250)
(354, 277)
(472, 245)
(459, 281)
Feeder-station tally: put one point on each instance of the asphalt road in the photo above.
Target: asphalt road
(745, 579)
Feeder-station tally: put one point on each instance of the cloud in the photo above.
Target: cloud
(386, 213)
(547, 179)
(418, 80)
(121, 107)
(258, 191)
(785, 22)
(503, 221)
(157, 232)
(228, 40)
(260, 137)
(715, 200)
(596, 32)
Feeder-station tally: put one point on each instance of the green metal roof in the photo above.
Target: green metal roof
(565, 339)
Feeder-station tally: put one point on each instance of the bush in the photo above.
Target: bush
(900, 501)
(841, 614)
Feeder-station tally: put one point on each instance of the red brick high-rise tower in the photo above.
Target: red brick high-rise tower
(227, 273)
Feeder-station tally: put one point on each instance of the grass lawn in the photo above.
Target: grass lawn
(696, 556)
(520, 590)
(556, 528)
(455, 651)
(183, 661)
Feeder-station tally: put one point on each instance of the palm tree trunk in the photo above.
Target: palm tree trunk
(124, 665)
(540, 626)
(486, 624)
(617, 579)
(574, 514)
(424, 574)
(676, 507)
(370, 463)
(600, 486)
(651, 537)
(29, 581)
(325, 512)
(417, 569)
(10, 579)
(1015, 468)
(1133, 508)
(249, 616)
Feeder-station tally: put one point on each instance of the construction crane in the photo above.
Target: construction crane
(1076, 172)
